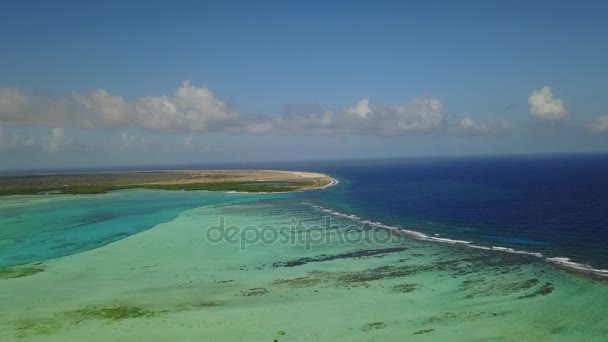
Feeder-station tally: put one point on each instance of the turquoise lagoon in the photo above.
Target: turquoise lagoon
(151, 265)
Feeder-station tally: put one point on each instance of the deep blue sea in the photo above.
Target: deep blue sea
(556, 205)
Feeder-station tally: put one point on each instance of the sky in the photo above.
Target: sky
(90, 84)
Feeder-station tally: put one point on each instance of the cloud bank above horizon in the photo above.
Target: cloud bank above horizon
(193, 110)
(197, 109)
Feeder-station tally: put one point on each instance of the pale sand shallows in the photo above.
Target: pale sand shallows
(194, 290)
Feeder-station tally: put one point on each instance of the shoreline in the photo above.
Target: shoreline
(332, 182)
(242, 181)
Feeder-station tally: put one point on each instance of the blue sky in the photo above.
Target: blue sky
(89, 84)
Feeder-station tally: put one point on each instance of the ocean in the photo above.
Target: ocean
(553, 205)
(477, 248)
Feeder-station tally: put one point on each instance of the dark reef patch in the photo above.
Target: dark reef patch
(374, 326)
(496, 279)
(41, 326)
(312, 278)
(256, 291)
(446, 317)
(195, 305)
(353, 278)
(118, 312)
(19, 271)
(299, 282)
(47, 325)
(380, 252)
(544, 290)
(405, 288)
(206, 304)
(496, 284)
(423, 331)
(378, 273)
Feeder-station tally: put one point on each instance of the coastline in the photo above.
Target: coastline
(245, 181)
(332, 182)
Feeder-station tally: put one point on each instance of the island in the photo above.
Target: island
(248, 181)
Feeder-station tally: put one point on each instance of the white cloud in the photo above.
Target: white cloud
(58, 140)
(103, 109)
(196, 109)
(419, 116)
(361, 109)
(545, 107)
(493, 127)
(129, 142)
(600, 124)
(423, 115)
(12, 103)
(190, 108)
(34, 108)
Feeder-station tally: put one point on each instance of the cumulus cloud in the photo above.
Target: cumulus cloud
(58, 140)
(545, 107)
(102, 108)
(419, 116)
(35, 108)
(361, 109)
(600, 124)
(190, 108)
(492, 127)
(197, 109)
(129, 142)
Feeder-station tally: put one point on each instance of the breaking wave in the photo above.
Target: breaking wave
(561, 262)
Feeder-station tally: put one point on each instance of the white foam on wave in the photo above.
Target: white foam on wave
(559, 261)
(332, 182)
(515, 251)
(450, 241)
(481, 247)
(400, 230)
(566, 262)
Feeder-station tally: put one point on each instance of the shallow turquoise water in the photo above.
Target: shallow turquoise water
(301, 275)
(35, 228)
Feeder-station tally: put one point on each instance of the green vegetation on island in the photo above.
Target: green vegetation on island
(224, 186)
(252, 181)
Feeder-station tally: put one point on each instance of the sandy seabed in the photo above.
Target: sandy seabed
(171, 283)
